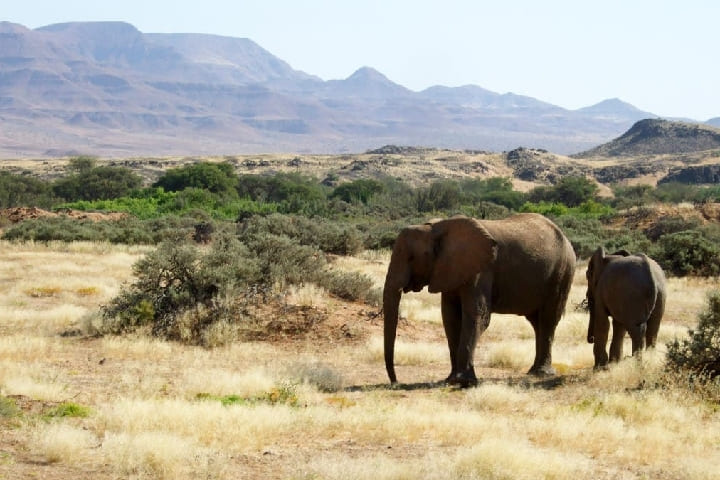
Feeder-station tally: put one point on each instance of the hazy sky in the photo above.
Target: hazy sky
(661, 56)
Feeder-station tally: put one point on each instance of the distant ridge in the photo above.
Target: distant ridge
(614, 107)
(108, 89)
(657, 137)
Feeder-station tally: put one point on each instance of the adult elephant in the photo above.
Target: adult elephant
(631, 290)
(522, 265)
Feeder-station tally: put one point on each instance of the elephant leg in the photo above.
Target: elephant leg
(637, 335)
(616, 344)
(653, 323)
(602, 326)
(544, 323)
(475, 319)
(451, 309)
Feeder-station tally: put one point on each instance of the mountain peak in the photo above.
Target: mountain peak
(93, 28)
(9, 27)
(611, 105)
(655, 136)
(368, 83)
(368, 74)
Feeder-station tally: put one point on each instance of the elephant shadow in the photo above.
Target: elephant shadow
(525, 381)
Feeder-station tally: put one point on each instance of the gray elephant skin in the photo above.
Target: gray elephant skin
(523, 265)
(631, 290)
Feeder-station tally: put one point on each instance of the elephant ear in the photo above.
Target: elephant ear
(594, 266)
(462, 248)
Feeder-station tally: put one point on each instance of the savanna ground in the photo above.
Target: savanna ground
(319, 406)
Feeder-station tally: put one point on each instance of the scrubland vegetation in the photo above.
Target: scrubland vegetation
(229, 327)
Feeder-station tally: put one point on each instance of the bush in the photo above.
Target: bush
(700, 354)
(352, 286)
(129, 231)
(497, 190)
(217, 178)
(441, 195)
(669, 225)
(156, 202)
(294, 193)
(328, 236)
(202, 296)
(99, 183)
(23, 190)
(586, 234)
(178, 277)
(688, 252)
(358, 191)
(570, 191)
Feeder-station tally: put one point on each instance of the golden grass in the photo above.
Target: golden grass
(408, 353)
(156, 413)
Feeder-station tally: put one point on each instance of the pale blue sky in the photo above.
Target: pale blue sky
(661, 56)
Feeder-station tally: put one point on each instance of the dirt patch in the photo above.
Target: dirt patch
(644, 218)
(18, 214)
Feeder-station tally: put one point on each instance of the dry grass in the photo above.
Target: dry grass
(157, 408)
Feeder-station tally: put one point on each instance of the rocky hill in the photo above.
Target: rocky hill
(658, 137)
(107, 89)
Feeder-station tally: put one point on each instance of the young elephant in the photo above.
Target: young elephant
(630, 289)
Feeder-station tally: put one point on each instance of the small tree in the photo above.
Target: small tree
(99, 183)
(570, 191)
(82, 164)
(689, 252)
(701, 352)
(358, 191)
(218, 178)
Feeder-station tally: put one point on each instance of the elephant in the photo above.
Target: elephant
(631, 290)
(522, 264)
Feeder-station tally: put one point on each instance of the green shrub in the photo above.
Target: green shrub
(358, 191)
(688, 252)
(570, 191)
(82, 163)
(204, 296)
(68, 409)
(178, 277)
(381, 235)
(99, 183)
(440, 195)
(328, 236)
(700, 354)
(8, 407)
(632, 196)
(128, 231)
(496, 190)
(586, 234)
(587, 209)
(217, 178)
(352, 286)
(153, 203)
(24, 190)
(294, 193)
(668, 225)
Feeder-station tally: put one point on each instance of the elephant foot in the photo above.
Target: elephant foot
(542, 371)
(462, 379)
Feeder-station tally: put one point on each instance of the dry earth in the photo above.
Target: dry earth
(146, 419)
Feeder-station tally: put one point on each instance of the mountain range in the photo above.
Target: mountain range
(107, 89)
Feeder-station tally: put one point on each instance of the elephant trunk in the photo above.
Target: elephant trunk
(591, 322)
(391, 303)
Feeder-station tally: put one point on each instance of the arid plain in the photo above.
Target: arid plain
(319, 406)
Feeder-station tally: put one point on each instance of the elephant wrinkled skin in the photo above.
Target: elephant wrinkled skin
(522, 264)
(631, 290)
